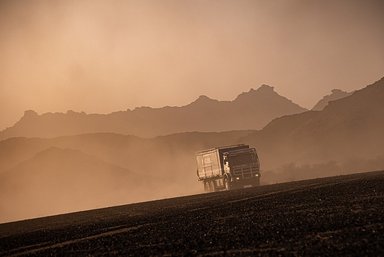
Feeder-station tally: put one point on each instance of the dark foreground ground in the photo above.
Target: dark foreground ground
(331, 216)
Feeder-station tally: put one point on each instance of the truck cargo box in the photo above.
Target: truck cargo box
(210, 162)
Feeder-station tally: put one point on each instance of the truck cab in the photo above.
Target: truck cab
(241, 168)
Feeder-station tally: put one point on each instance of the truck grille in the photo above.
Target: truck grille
(244, 171)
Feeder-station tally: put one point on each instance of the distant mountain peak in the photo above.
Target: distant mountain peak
(142, 108)
(30, 113)
(265, 88)
(203, 99)
(336, 94)
(338, 91)
(262, 91)
(74, 113)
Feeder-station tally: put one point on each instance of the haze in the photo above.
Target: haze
(104, 56)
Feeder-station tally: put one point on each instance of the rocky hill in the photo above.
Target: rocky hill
(348, 130)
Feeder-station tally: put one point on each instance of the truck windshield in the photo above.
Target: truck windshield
(244, 158)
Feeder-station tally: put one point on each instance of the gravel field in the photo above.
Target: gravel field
(335, 216)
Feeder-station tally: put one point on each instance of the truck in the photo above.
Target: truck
(228, 167)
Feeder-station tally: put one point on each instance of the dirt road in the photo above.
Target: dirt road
(330, 216)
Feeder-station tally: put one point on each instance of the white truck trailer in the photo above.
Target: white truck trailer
(228, 167)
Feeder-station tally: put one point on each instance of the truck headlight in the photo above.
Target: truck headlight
(256, 175)
(237, 178)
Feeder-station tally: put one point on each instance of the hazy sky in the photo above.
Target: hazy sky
(103, 56)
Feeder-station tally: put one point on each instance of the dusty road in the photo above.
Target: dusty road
(331, 216)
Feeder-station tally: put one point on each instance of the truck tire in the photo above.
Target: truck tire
(214, 186)
(227, 184)
(256, 182)
(206, 186)
(210, 186)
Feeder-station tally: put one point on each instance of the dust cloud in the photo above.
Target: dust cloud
(61, 175)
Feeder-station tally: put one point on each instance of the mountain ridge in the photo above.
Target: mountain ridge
(250, 110)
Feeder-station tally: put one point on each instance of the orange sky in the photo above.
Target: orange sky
(103, 56)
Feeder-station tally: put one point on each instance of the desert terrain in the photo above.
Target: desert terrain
(342, 215)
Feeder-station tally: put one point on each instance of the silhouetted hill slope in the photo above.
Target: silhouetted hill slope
(131, 152)
(59, 180)
(348, 128)
(251, 110)
(18, 149)
(335, 95)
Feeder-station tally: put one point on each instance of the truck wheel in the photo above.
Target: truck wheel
(206, 186)
(227, 184)
(214, 186)
(210, 186)
(256, 182)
